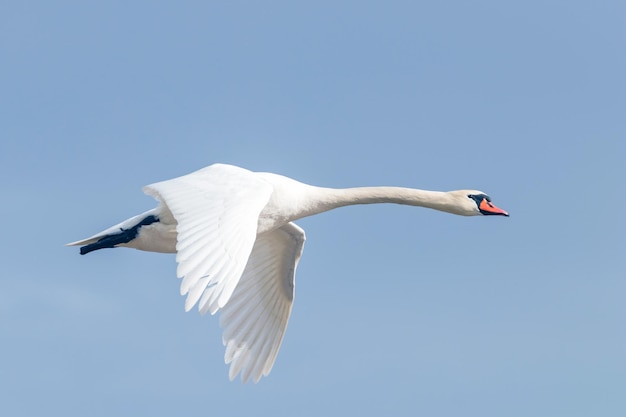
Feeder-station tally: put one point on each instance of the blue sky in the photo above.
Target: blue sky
(399, 310)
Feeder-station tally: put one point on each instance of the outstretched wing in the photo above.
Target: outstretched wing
(255, 318)
(217, 211)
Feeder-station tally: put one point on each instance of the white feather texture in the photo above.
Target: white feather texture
(217, 210)
(255, 318)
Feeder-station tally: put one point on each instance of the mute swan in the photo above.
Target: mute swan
(237, 247)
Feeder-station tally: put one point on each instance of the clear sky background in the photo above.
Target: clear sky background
(399, 310)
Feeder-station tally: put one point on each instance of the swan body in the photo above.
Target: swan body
(237, 247)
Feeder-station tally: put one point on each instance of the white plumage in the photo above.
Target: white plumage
(237, 247)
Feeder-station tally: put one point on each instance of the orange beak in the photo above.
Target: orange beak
(487, 208)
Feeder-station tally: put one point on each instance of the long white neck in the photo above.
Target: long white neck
(293, 200)
(324, 199)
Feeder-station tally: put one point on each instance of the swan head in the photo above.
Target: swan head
(476, 203)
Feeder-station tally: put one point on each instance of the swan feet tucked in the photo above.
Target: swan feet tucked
(124, 236)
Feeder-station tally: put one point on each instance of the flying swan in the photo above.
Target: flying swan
(237, 247)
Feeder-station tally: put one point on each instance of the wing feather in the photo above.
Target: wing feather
(217, 211)
(256, 316)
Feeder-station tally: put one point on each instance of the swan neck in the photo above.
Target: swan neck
(334, 198)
